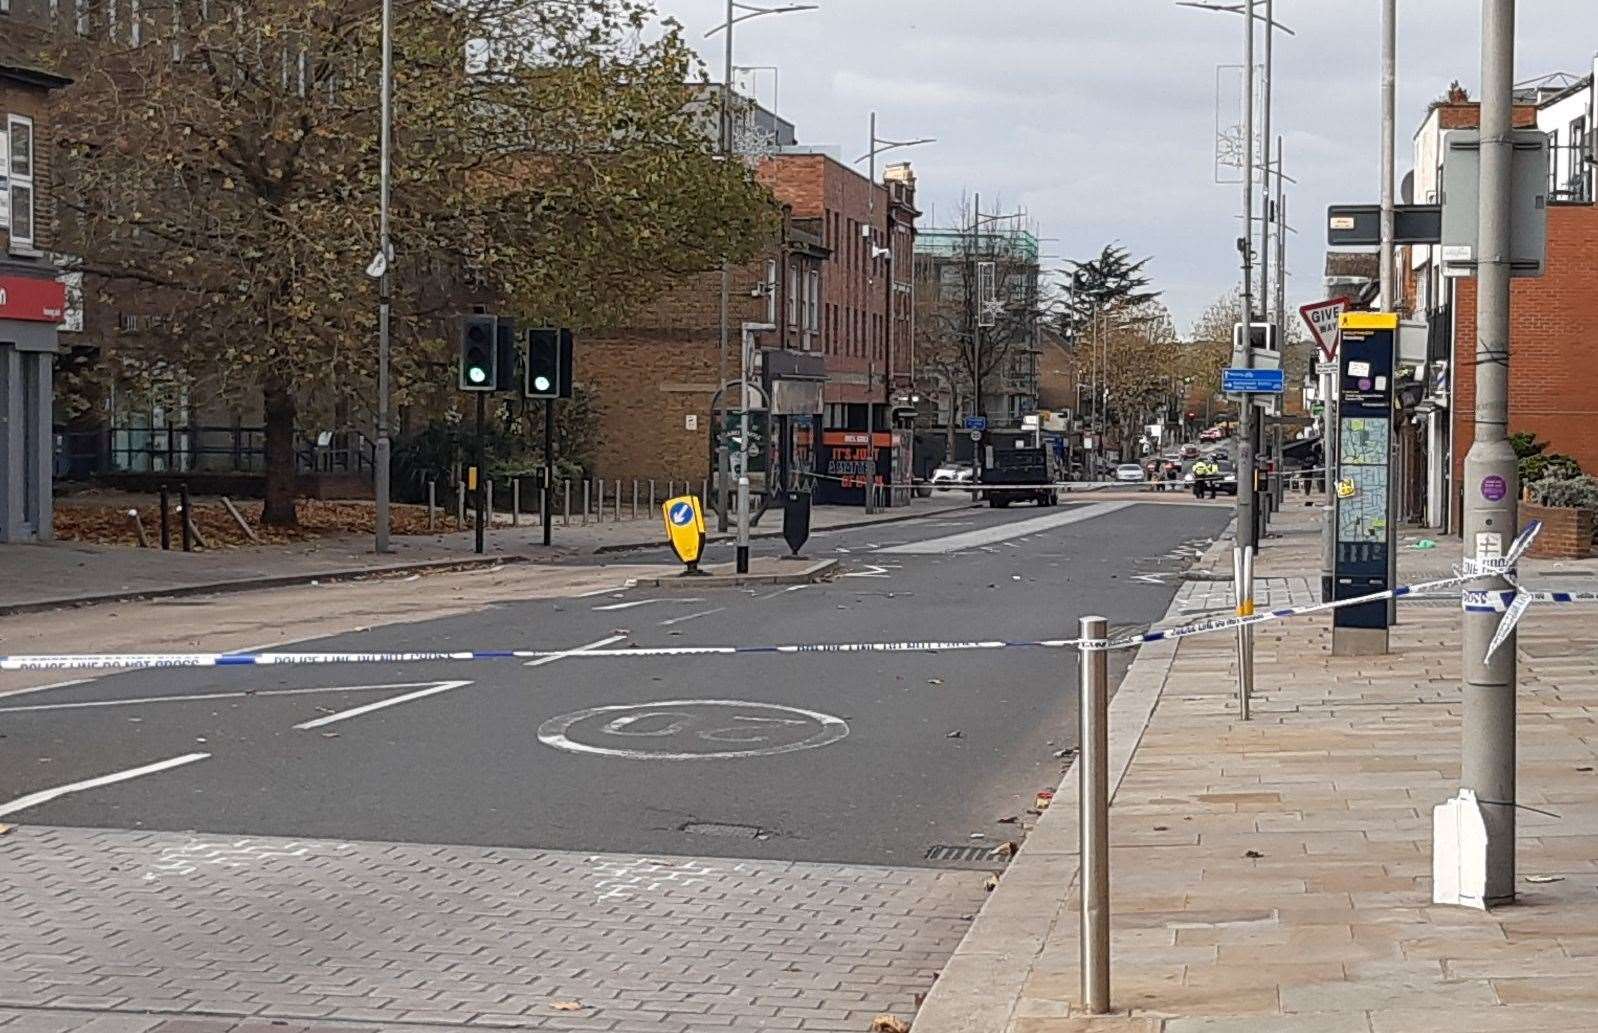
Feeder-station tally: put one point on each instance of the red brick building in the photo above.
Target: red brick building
(847, 247)
(1553, 388)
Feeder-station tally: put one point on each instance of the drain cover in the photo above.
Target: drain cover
(963, 853)
(725, 830)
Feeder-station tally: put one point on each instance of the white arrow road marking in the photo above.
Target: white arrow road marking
(875, 571)
(46, 795)
(1149, 579)
(645, 602)
(91, 704)
(983, 537)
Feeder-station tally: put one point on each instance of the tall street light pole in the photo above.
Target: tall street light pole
(1492, 485)
(1389, 299)
(381, 453)
(725, 145)
(878, 146)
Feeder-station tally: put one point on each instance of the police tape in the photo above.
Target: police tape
(1513, 603)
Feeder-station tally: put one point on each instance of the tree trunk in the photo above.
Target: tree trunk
(279, 404)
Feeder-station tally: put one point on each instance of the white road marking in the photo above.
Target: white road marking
(982, 537)
(92, 704)
(597, 592)
(688, 617)
(541, 661)
(392, 701)
(643, 602)
(875, 571)
(828, 729)
(22, 803)
(1149, 579)
(43, 688)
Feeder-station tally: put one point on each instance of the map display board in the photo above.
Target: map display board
(1362, 481)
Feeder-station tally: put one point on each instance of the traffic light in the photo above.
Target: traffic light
(479, 354)
(504, 353)
(543, 363)
(549, 363)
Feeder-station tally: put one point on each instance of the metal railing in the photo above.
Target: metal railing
(201, 448)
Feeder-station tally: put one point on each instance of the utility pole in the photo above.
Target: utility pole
(871, 355)
(1281, 291)
(1389, 298)
(723, 460)
(381, 452)
(1247, 496)
(1492, 485)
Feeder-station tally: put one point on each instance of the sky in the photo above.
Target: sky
(1098, 116)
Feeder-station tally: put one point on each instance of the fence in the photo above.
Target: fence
(82, 454)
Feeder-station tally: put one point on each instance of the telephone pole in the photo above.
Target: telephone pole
(1492, 484)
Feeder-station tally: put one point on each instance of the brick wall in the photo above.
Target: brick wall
(1553, 364)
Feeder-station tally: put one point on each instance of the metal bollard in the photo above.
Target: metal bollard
(704, 492)
(635, 498)
(616, 512)
(432, 503)
(1093, 820)
(515, 501)
(566, 503)
(651, 494)
(460, 505)
(1243, 581)
(166, 518)
(587, 500)
(187, 525)
(488, 503)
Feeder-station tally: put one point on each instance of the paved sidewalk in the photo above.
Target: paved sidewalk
(75, 573)
(1275, 875)
(135, 932)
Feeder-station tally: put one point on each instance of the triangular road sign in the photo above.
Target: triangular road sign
(1323, 319)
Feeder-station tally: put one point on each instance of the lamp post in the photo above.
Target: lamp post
(878, 146)
(725, 145)
(380, 269)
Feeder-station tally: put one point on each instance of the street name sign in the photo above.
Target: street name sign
(1253, 381)
(976, 423)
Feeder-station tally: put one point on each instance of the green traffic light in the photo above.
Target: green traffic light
(477, 375)
(541, 383)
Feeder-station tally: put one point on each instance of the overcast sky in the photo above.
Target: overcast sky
(1098, 116)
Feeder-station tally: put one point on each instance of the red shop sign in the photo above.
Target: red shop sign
(32, 300)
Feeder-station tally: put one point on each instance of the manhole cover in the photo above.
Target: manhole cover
(726, 830)
(963, 853)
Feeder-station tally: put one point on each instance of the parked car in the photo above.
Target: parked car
(1212, 434)
(952, 475)
(1130, 472)
(1190, 451)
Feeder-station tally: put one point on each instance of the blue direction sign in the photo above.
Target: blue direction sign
(1253, 381)
(976, 423)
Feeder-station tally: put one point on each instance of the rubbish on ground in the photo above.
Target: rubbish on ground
(979, 835)
(1253, 854)
(1043, 799)
(6, 828)
(934, 681)
(1006, 850)
(991, 883)
(1162, 828)
(886, 1023)
(1545, 878)
(1009, 819)
(1425, 543)
(568, 1005)
(1062, 754)
(956, 734)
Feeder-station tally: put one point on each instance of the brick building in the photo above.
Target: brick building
(32, 298)
(826, 284)
(1552, 390)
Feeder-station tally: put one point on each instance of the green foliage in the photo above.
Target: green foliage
(1567, 492)
(1109, 280)
(562, 172)
(1526, 444)
(1552, 465)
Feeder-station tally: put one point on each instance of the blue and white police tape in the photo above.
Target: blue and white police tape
(1514, 607)
(1499, 602)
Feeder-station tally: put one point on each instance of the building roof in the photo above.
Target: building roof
(36, 77)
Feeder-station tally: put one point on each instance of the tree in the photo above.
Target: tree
(1094, 286)
(223, 187)
(952, 351)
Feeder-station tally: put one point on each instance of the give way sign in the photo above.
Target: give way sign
(1323, 319)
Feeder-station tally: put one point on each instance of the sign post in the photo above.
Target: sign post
(1364, 531)
(1324, 319)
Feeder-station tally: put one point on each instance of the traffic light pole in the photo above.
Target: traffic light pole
(546, 506)
(478, 461)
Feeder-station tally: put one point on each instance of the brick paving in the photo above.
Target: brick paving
(1274, 876)
(135, 932)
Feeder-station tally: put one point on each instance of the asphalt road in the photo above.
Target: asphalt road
(865, 758)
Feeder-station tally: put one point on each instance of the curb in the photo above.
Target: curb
(257, 583)
(809, 574)
(981, 986)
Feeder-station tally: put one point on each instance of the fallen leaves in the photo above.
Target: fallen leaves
(1042, 800)
(886, 1023)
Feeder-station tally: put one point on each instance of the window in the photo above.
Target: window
(16, 174)
(770, 288)
(812, 300)
(793, 295)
